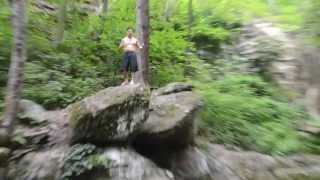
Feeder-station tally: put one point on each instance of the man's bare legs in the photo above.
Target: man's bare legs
(125, 76)
(132, 79)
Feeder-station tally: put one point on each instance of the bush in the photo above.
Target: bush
(167, 57)
(208, 38)
(240, 110)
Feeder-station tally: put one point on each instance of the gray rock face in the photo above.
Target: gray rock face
(4, 155)
(173, 110)
(171, 117)
(110, 115)
(293, 65)
(4, 139)
(122, 164)
(195, 164)
(311, 129)
(218, 163)
(173, 114)
(40, 165)
(126, 164)
(172, 88)
(32, 113)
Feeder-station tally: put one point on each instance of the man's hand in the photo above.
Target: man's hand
(140, 46)
(121, 44)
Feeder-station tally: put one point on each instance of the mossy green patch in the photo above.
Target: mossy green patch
(77, 111)
(82, 158)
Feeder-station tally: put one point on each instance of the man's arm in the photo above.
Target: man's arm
(139, 45)
(121, 44)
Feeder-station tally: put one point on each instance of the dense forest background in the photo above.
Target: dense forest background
(73, 51)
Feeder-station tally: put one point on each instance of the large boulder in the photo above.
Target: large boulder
(86, 161)
(170, 126)
(130, 138)
(4, 138)
(126, 164)
(4, 156)
(111, 115)
(38, 165)
(132, 166)
(172, 88)
(171, 121)
(265, 48)
(215, 162)
(193, 163)
(31, 112)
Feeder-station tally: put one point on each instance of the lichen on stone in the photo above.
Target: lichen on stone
(76, 112)
(82, 158)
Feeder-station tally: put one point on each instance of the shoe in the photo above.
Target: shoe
(132, 82)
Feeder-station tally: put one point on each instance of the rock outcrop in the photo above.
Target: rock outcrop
(4, 155)
(265, 48)
(126, 164)
(38, 165)
(268, 48)
(32, 113)
(173, 110)
(156, 132)
(215, 162)
(114, 114)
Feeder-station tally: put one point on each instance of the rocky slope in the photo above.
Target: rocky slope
(294, 65)
(130, 133)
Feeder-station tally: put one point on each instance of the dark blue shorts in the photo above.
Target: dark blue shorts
(130, 62)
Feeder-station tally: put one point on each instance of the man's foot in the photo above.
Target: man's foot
(132, 82)
(125, 83)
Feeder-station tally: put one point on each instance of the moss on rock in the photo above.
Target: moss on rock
(110, 115)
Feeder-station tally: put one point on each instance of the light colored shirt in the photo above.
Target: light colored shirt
(130, 44)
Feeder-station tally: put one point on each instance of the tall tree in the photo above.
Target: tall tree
(18, 58)
(142, 26)
(103, 15)
(62, 14)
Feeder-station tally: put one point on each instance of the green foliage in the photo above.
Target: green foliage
(5, 44)
(167, 57)
(288, 13)
(82, 158)
(241, 110)
(312, 21)
(244, 86)
(209, 38)
(231, 11)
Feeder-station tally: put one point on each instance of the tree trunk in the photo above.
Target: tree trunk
(18, 58)
(103, 16)
(61, 21)
(190, 17)
(143, 37)
(170, 5)
(105, 7)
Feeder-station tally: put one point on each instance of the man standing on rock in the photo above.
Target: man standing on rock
(130, 45)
